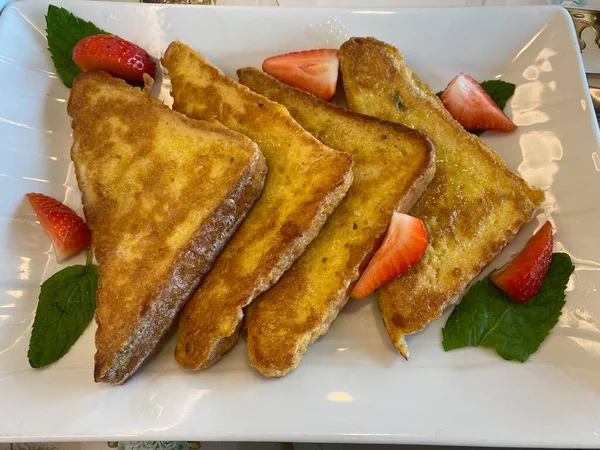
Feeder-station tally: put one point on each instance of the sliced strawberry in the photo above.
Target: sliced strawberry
(522, 277)
(114, 55)
(472, 107)
(67, 231)
(403, 245)
(314, 71)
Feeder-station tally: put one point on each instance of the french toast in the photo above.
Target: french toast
(473, 207)
(162, 194)
(306, 181)
(392, 167)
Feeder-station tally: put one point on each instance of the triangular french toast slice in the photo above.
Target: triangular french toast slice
(162, 195)
(473, 207)
(392, 167)
(306, 181)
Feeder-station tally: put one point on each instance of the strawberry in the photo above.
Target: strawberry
(472, 107)
(114, 55)
(522, 277)
(313, 71)
(403, 245)
(67, 231)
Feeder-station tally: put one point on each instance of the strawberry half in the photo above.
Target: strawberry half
(403, 245)
(67, 231)
(522, 277)
(313, 71)
(472, 107)
(114, 55)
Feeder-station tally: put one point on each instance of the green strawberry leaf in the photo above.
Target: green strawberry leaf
(64, 31)
(65, 308)
(486, 317)
(500, 91)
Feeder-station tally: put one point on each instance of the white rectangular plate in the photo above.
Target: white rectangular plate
(352, 385)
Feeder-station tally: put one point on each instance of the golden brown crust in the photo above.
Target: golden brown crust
(392, 167)
(162, 194)
(306, 182)
(473, 207)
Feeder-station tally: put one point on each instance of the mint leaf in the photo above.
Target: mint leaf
(486, 317)
(64, 31)
(66, 305)
(500, 91)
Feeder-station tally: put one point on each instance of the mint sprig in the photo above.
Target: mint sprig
(500, 91)
(65, 308)
(486, 317)
(64, 31)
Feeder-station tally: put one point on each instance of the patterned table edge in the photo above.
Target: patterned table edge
(123, 445)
